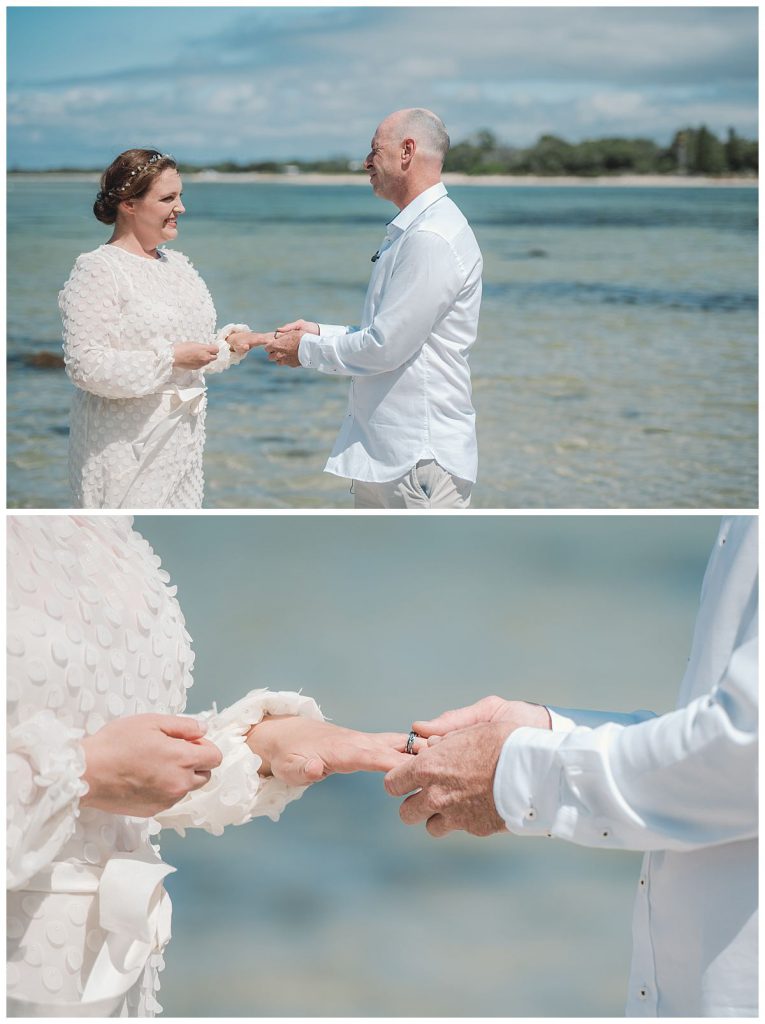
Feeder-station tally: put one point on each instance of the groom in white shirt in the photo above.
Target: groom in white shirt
(682, 787)
(408, 439)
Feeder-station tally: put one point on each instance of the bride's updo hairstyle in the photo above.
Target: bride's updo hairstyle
(129, 176)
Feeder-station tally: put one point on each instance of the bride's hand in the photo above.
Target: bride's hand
(304, 326)
(190, 355)
(143, 764)
(242, 341)
(300, 750)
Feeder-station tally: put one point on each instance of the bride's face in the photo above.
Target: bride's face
(155, 214)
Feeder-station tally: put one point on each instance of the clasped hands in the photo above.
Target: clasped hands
(281, 345)
(142, 764)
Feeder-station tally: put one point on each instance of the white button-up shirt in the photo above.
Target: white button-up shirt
(683, 786)
(410, 396)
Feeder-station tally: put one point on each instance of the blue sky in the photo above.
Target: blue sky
(249, 83)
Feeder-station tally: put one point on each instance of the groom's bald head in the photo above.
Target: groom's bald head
(407, 154)
(424, 127)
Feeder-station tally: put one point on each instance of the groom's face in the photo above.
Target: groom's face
(383, 162)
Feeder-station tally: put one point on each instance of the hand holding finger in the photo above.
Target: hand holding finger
(484, 710)
(206, 756)
(182, 727)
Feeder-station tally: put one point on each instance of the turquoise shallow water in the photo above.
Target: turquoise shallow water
(339, 909)
(616, 364)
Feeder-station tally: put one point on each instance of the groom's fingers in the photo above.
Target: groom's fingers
(415, 809)
(487, 709)
(403, 779)
(460, 718)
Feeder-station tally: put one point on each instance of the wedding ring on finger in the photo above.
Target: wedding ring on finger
(410, 741)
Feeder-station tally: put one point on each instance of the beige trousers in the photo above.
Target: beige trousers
(426, 485)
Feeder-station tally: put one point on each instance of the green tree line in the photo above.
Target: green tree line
(692, 151)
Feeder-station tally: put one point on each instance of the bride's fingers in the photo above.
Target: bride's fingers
(200, 779)
(299, 769)
(377, 757)
(313, 769)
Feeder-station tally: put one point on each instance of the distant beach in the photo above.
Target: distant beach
(496, 180)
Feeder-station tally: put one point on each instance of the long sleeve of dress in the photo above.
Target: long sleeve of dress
(43, 790)
(236, 793)
(98, 356)
(682, 781)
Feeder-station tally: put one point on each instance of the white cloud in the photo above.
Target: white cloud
(294, 81)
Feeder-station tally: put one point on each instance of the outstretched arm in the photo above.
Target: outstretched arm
(300, 751)
(274, 745)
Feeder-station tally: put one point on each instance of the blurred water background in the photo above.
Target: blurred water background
(616, 364)
(339, 909)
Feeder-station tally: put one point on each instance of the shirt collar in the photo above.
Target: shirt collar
(409, 214)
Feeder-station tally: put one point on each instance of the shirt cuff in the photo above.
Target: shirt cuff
(527, 781)
(559, 720)
(332, 328)
(306, 351)
(317, 352)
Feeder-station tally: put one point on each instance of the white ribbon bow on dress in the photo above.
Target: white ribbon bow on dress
(134, 911)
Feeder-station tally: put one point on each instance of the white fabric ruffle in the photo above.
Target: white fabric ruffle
(236, 793)
(45, 767)
(226, 356)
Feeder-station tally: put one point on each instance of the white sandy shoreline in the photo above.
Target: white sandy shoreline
(492, 180)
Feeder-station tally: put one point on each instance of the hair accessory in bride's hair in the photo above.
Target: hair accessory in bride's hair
(138, 170)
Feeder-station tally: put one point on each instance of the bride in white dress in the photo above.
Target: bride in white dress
(99, 760)
(139, 338)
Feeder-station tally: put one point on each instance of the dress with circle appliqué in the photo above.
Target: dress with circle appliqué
(94, 633)
(137, 423)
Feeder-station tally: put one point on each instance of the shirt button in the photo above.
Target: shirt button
(605, 833)
(642, 883)
(643, 992)
(530, 814)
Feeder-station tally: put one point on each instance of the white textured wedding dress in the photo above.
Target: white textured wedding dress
(137, 428)
(95, 633)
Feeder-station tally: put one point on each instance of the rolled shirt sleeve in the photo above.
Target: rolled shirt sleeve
(680, 781)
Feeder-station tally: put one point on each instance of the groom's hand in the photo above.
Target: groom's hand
(304, 326)
(284, 348)
(489, 709)
(452, 782)
(300, 750)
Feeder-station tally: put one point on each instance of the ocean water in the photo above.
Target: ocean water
(616, 364)
(339, 909)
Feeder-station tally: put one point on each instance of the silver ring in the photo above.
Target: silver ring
(410, 742)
